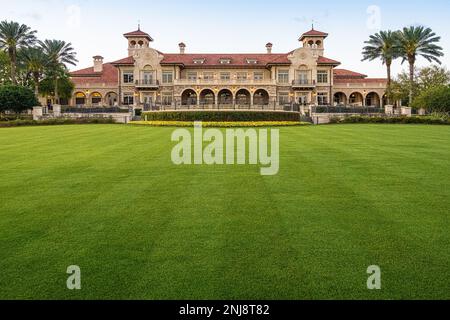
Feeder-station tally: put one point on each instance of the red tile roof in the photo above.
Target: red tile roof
(108, 76)
(313, 33)
(323, 60)
(363, 80)
(344, 73)
(124, 61)
(237, 60)
(138, 33)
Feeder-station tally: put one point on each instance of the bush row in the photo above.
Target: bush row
(12, 117)
(221, 116)
(216, 124)
(51, 122)
(445, 120)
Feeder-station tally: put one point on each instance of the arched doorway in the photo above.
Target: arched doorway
(261, 98)
(373, 100)
(356, 99)
(340, 99)
(243, 97)
(96, 99)
(189, 98)
(207, 97)
(80, 99)
(111, 99)
(225, 97)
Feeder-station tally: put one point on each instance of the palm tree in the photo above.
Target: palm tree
(382, 45)
(36, 62)
(14, 36)
(60, 54)
(418, 41)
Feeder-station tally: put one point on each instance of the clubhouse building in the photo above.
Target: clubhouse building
(148, 78)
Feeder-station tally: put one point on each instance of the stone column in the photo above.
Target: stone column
(406, 111)
(37, 113)
(389, 109)
(57, 110)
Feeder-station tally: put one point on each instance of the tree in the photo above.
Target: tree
(432, 77)
(16, 98)
(14, 36)
(60, 54)
(35, 62)
(5, 66)
(418, 41)
(383, 46)
(434, 99)
(65, 87)
(424, 79)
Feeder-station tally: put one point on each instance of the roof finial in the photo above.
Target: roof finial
(313, 24)
(139, 25)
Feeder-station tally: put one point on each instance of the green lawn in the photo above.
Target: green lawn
(109, 199)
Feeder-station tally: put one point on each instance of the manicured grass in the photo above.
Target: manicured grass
(108, 199)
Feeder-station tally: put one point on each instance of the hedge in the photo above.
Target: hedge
(52, 122)
(221, 116)
(216, 124)
(436, 119)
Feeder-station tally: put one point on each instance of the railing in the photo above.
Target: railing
(87, 110)
(303, 83)
(222, 105)
(346, 109)
(147, 83)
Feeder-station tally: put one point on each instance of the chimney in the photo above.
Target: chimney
(182, 48)
(98, 64)
(269, 47)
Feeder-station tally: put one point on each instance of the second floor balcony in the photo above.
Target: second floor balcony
(303, 84)
(147, 84)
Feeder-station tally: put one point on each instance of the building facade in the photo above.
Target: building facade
(148, 78)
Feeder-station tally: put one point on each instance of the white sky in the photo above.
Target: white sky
(96, 27)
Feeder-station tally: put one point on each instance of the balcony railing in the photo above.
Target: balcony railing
(147, 83)
(304, 83)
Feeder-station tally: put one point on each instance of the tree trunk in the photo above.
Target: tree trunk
(411, 80)
(36, 85)
(389, 79)
(13, 58)
(56, 91)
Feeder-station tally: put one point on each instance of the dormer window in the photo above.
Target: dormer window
(199, 61)
(225, 61)
(252, 61)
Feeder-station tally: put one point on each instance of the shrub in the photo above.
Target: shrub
(221, 116)
(220, 124)
(433, 119)
(16, 99)
(435, 99)
(56, 121)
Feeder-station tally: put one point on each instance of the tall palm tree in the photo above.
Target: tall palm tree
(60, 54)
(36, 62)
(383, 46)
(14, 36)
(418, 41)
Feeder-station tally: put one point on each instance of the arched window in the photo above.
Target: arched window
(96, 98)
(80, 99)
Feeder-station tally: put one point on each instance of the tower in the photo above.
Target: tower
(314, 39)
(137, 40)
